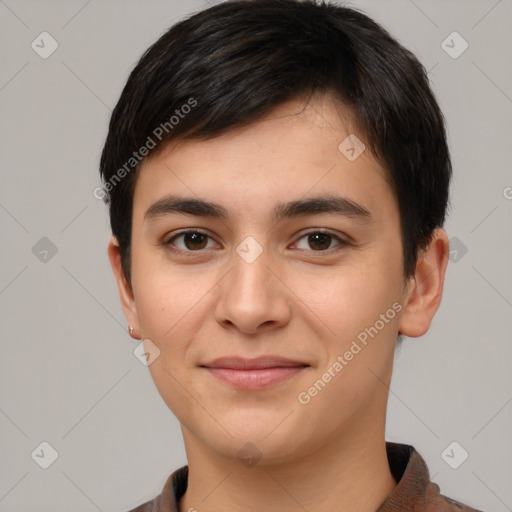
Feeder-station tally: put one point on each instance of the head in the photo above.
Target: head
(248, 121)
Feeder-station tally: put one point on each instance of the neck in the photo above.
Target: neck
(350, 475)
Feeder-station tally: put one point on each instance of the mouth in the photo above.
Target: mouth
(253, 374)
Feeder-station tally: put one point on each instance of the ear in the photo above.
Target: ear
(124, 288)
(425, 289)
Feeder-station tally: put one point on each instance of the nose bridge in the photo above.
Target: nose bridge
(250, 295)
(250, 277)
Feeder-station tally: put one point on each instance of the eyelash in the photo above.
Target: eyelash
(190, 253)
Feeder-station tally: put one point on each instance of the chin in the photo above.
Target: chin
(262, 452)
(252, 435)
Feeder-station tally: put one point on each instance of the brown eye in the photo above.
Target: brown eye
(195, 240)
(319, 241)
(189, 241)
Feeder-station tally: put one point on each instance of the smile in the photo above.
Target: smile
(254, 374)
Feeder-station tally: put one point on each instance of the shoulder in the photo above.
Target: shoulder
(439, 503)
(415, 492)
(167, 501)
(145, 507)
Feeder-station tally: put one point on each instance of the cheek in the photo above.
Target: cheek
(345, 300)
(162, 295)
(172, 306)
(166, 307)
(170, 312)
(158, 304)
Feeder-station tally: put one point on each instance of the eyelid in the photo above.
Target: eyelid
(185, 231)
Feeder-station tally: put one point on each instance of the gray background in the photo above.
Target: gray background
(68, 375)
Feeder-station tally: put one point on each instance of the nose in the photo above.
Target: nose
(251, 296)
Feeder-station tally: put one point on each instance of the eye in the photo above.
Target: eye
(196, 240)
(320, 241)
(192, 240)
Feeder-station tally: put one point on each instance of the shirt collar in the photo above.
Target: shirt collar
(413, 492)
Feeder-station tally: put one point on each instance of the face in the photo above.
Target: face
(288, 268)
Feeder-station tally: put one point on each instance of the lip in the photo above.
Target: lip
(256, 373)
(256, 363)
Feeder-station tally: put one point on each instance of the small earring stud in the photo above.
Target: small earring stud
(130, 330)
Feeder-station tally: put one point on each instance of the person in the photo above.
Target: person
(277, 175)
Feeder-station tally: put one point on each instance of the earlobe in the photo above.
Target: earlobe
(425, 289)
(125, 290)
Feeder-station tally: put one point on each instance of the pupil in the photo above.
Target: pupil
(321, 239)
(195, 238)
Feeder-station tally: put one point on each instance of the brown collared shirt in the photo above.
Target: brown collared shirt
(414, 491)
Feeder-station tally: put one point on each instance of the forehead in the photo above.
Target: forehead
(300, 149)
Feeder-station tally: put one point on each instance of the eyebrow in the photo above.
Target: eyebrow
(325, 203)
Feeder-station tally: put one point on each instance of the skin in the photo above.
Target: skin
(294, 300)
